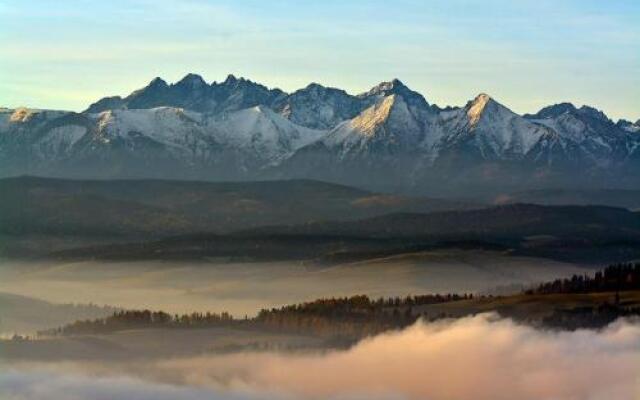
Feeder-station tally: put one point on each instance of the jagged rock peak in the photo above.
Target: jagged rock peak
(628, 126)
(553, 111)
(314, 86)
(477, 107)
(390, 85)
(482, 98)
(593, 113)
(192, 80)
(231, 79)
(395, 86)
(559, 109)
(157, 82)
(387, 88)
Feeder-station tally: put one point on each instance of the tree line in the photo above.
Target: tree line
(617, 277)
(137, 319)
(344, 316)
(354, 316)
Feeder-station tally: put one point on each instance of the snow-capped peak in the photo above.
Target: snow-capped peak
(385, 88)
(476, 108)
(395, 86)
(484, 107)
(389, 123)
(490, 128)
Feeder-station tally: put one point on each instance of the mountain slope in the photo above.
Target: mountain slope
(586, 134)
(378, 148)
(157, 142)
(261, 134)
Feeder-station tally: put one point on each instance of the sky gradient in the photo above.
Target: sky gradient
(526, 54)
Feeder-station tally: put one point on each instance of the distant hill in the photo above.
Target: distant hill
(609, 197)
(133, 210)
(587, 234)
(21, 314)
(501, 221)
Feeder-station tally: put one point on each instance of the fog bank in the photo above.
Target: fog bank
(480, 358)
(245, 288)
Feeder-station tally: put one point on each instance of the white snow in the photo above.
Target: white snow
(390, 126)
(262, 132)
(632, 128)
(58, 141)
(493, 128)
(166, 125)
(389, 122)
(258, 132)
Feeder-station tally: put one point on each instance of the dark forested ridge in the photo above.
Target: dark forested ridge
(157, 208)
(611, 197)
(288, 220)
(585, 234)
(40, 216)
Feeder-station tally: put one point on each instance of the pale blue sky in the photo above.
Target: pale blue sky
(66, 54)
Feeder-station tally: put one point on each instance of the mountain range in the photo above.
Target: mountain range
(389, 138)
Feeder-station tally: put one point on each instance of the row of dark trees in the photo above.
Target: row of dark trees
(361, 305)
(588, 317)
(350, 317)
(135, 319)
(345, 316)
(618, 277)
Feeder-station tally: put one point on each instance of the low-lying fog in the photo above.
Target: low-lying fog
(245, 288)
(474, 358)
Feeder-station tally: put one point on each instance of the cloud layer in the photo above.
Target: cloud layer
(479, 358)
(41, 385)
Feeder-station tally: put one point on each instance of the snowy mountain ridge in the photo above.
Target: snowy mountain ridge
(389, 136)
